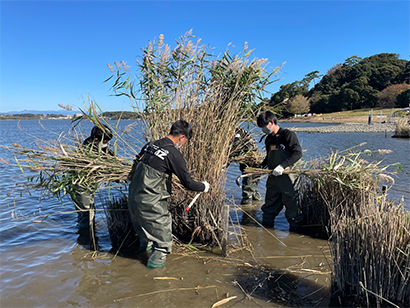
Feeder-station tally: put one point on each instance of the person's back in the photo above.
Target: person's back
(150, 188)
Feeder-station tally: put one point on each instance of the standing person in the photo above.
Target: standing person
(150, 189)
(242, 144)
(84, 200)
(282, 151)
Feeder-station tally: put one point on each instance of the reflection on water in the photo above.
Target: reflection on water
(42, 265)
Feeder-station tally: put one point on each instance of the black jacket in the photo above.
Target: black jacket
(287, 140)
(164, 157)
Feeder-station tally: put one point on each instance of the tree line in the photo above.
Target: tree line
(381, 80)
(124, 115)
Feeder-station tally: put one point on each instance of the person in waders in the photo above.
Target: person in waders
(150, 189)
(83, 199)
(282, 151)
(243, 143)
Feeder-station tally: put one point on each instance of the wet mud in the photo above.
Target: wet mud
(278, 269)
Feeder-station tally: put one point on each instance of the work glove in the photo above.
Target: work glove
(278, 170)
(206, 186)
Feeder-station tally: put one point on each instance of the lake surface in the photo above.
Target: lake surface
(43, 266)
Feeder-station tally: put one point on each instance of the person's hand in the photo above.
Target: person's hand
(278, 170)
(206, 186)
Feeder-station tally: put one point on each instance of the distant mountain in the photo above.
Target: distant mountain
(61, 111)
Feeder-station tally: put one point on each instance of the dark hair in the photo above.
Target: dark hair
(265, 117)
(101, 134)
(181, 127)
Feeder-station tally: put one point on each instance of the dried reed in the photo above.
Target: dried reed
(402, 128)
(215, 95)
(120, 227)
(369, 234)
(187, 82)
(64, 168)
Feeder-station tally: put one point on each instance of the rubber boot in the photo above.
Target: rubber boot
(268, 222)
(156, 259)
(246, 201)
(145, 246)
(294, 226)
(257, 196)
(268, 219)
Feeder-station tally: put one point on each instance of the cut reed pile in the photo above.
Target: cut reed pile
(369, 234)
(62, 166)
(402, 128)
(187, 82)
(214, 95)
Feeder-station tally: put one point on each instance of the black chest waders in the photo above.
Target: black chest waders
(281, 191)
(148, 207)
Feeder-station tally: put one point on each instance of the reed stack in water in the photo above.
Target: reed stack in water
(186, 82)
(214, 95)
(369, 234)
(402, 128)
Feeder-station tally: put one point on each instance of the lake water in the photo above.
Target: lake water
(43, 266)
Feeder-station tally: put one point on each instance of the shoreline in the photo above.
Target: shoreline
(348, 128)
(355, 124)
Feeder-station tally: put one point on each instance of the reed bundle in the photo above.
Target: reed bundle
(369, 234)
(214, 95)
(63, 166)
(403, 128)
(187, 82)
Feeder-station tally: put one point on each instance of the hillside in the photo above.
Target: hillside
(382, 80)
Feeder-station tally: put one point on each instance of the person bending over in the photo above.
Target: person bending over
(150, 189)
(83, 199)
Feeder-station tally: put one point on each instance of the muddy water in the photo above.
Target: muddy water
(43, 266)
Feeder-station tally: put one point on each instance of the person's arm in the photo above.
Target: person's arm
(180, 169)
(293, 147)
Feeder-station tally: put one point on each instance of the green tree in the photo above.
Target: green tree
(353, 60)
(403, 99)
(290, 90)
(358, 82)
(299, 104)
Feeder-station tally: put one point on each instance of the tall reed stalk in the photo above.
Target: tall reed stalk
(214, 95)
(369, 234)
(187, 82)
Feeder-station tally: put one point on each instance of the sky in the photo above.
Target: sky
(56, 52)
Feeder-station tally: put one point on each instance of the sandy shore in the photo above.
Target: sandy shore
(357, 124)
